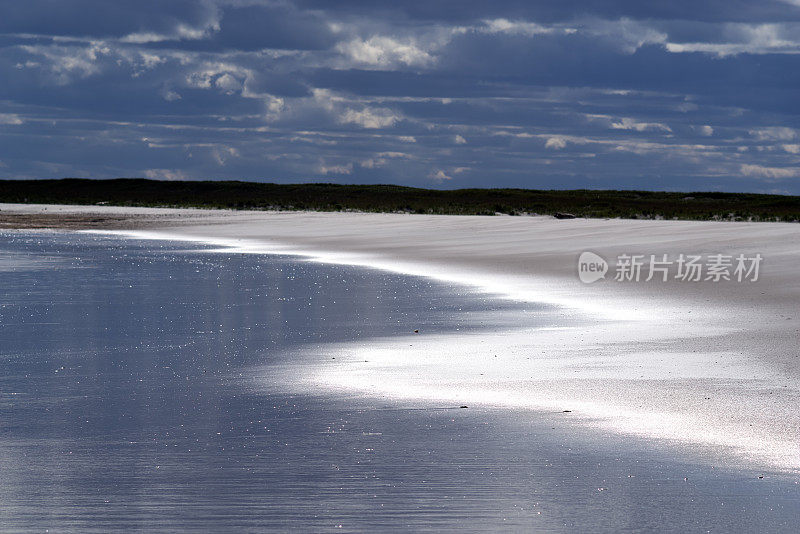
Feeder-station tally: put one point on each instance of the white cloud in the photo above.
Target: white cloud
(151, 60)
(222, 154)
(326, 98)
(181, 32)
(758, 171)
(556, 143)
(459, 140)
(686, 107)
(747, 38)
(228, 84)
(392, 154)
(791, 149)
(407, 138)
(224, 76)
(140, 61)
(378, 51)
(382, 158)
(313, 139)
(67, 63)
(366, 117)
(10, 118)
(774, 133)
(171, 96)
(515, 27)
(628, 34)
(369, 117)
(626, 123)
(144, 38)
(706, 130)
(518, 135)
(373, 163)
(336, 169)
(274, 104)
(439, 176)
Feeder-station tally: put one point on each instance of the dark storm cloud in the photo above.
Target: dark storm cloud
(257, 27)
(102, 18)
(465, 11)
(751, 81)
(668, 95)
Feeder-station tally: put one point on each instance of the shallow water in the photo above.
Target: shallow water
(126, 403)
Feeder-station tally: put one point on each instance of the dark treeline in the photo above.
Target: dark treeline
(392, 198)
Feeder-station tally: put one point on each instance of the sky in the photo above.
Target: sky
(555, 94)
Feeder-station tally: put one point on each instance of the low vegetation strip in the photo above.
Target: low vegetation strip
(392, 198)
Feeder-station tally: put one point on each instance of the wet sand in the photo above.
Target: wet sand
(712, 367)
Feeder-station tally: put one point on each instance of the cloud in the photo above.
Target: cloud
(626, 34)
(706, 130)
(417, 11)
(171, 96)
(556, 143)
(506, 26)
(294, 85)
(369, 117)
(336, 169)
(228, 84)
(373, 163)
(221, 154)
(364, 117)
(101, 19)
(776, 173)
(742, 38)
(791, 148)
(65, 64)
(10, 118)
(274, 104)
(774, 133)
(381, 159)
(228, 78)
(439, 176)
(627, 123)
(393, 154)
(278, 26)
(379, 51)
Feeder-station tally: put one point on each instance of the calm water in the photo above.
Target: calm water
(125, 404)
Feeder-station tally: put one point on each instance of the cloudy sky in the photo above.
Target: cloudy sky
(689, 95)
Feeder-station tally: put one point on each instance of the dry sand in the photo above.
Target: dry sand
(710, 367)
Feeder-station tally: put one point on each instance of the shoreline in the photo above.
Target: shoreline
(726, 379)
(387, 198)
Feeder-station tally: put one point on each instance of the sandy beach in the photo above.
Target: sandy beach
(710, 367)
